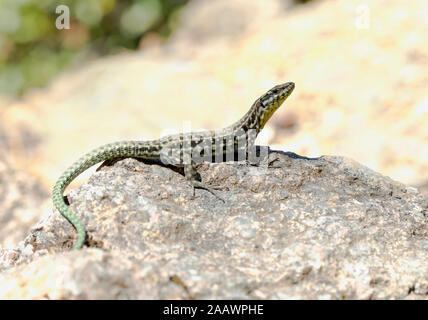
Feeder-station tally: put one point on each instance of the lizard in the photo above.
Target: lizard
(178, 150)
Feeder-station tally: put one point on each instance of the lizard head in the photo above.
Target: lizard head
(272, 100)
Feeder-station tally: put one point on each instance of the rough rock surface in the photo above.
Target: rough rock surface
(325, 228)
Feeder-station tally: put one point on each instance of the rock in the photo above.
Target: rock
(22, 202)
(324, 228)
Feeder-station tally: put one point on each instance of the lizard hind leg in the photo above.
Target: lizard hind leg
(194, 178)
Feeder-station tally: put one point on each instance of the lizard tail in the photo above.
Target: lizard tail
(57, 194)
(100, 154)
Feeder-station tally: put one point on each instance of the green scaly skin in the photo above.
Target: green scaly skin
(222, 141)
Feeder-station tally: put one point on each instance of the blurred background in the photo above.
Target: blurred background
(80, 73)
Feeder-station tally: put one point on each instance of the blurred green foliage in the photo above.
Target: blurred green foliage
(33, 49)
